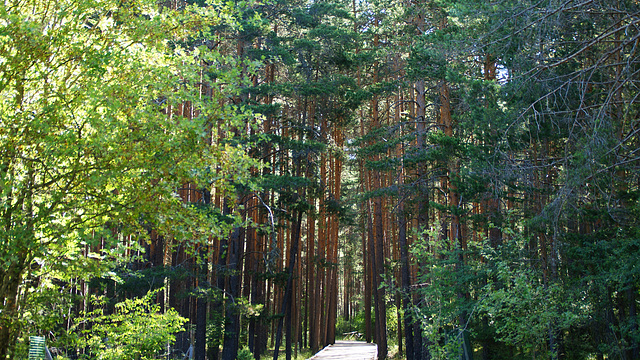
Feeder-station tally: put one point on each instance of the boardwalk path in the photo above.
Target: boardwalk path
(347, 350)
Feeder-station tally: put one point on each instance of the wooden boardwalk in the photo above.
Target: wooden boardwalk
(347, 350)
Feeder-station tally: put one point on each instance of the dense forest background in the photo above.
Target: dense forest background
(231, 180)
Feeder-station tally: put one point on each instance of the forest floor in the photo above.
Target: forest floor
(347, 350)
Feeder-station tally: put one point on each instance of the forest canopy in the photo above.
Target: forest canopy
(447, 179)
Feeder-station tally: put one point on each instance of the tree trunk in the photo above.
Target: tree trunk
(232, 316)
(406, 281)
(9, 291)
(286, 299)
(201, 302)
(379, 291)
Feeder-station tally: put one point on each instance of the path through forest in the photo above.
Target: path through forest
(347, 350)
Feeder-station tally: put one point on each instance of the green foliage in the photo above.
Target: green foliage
(92, 147)
(47, 307)
(214, 332)
(393, 316)
(356, 323)
(520, 308)
(245, 354)
(444, 301)
(514, 305)
(137, 329)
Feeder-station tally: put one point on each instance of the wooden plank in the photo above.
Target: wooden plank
(347, 350)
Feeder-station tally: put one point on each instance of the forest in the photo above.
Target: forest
(256, 179)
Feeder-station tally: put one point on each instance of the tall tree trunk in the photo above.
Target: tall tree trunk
(201, 302)
(309, 304)
(406, 280)
(314, 282)
(371, 271)
(367, 248)
(366, 256)
(379, 290)
(232, 315)
(420, 342)
(286, 299)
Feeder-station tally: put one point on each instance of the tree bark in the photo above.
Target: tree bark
(406, 281)
(9, 292)
(201, 302)
(232, 316)
(286, 299)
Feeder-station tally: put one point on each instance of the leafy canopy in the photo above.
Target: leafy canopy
(105, 112)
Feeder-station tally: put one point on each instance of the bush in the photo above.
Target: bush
(136, 330)
(245, 354)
